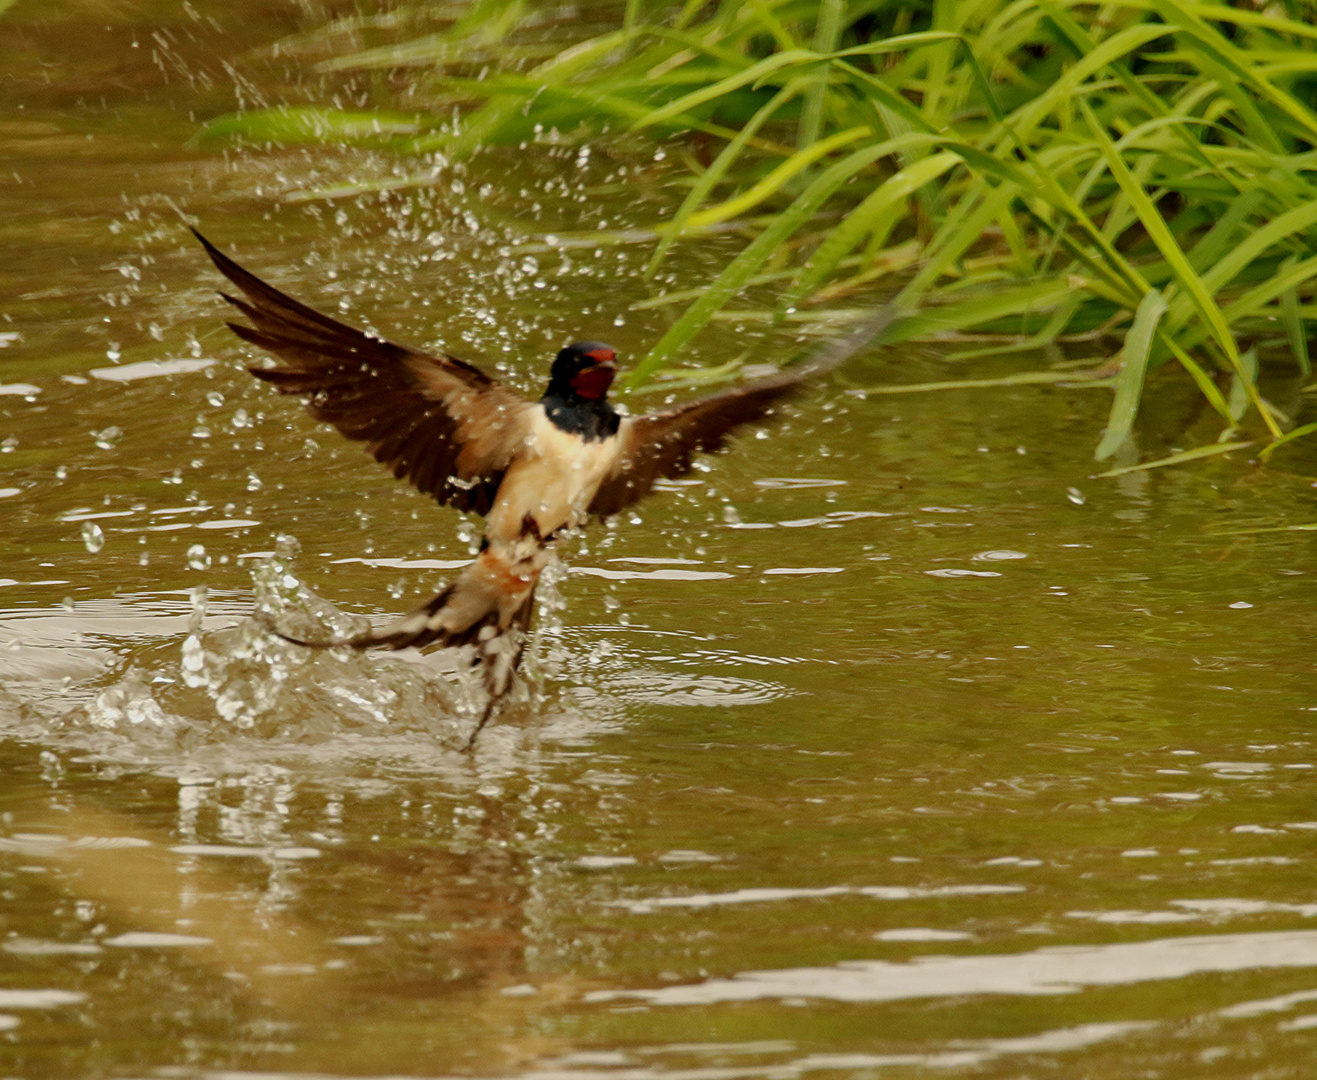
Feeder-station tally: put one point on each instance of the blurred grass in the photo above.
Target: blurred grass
(1137, 174)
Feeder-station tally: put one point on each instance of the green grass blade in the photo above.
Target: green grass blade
(1185, 274)
(711, 176)
(1287, 278)
(861, 220)
(1074, 79)
(1288, 437)
(900, 43)
(1084, 45)
(884, 95)
(1235, 61)
(1268, 19)
(1179, 459)
(934, 320)
(1024, 378)
(827, 32)
(739, 271)
(310, 124)
(1041, 180)
(751, 74)
(957, 234)
(1201, 378)
(1133, 368)
(1281, 227)
(1243, 379)
(1295, 330)
(774, 181)
(481, 126)
(1219, 238)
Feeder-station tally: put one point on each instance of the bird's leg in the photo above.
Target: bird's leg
(498, 667)
(500, 654)
(484, 719)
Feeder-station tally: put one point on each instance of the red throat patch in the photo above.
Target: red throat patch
(593, 382)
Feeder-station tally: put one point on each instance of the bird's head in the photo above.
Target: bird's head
(583, 370)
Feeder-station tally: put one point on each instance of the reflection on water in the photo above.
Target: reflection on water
(1056, 970)
(881, 746)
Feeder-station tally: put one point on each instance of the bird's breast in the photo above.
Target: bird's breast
(551, 481)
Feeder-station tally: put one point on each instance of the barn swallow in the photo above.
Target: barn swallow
(534, 469)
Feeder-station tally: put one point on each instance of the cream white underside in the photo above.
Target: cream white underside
(553, 481)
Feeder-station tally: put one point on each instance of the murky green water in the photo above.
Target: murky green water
(894, 745)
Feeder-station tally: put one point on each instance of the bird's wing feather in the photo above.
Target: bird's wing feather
(663, 445)
(438, 422)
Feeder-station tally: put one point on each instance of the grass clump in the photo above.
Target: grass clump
(1011, 173)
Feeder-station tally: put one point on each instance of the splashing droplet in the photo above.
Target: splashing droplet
(197, 559)
(93, 536)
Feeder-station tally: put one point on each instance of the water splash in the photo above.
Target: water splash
(246, 679)
(93, 536)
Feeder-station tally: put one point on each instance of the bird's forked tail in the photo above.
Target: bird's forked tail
(488, 606)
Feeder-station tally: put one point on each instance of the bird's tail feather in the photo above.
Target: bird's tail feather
(426, 625)
(417, 628)
(462, 614)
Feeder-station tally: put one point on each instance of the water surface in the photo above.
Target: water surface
(893, 743)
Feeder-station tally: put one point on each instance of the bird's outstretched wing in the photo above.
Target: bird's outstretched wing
(663, 445)
(438, 422)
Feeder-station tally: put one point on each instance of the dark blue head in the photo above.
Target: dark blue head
(582, 372)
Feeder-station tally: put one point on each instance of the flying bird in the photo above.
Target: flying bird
(533, 469)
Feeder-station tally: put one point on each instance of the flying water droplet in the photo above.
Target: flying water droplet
(194, 662)
(197, 559)
(93, 536)
(198, 598)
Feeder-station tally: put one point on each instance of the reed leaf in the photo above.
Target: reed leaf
(1196, 454)
(739, 271)
(1133, 367)
(1028, 169)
